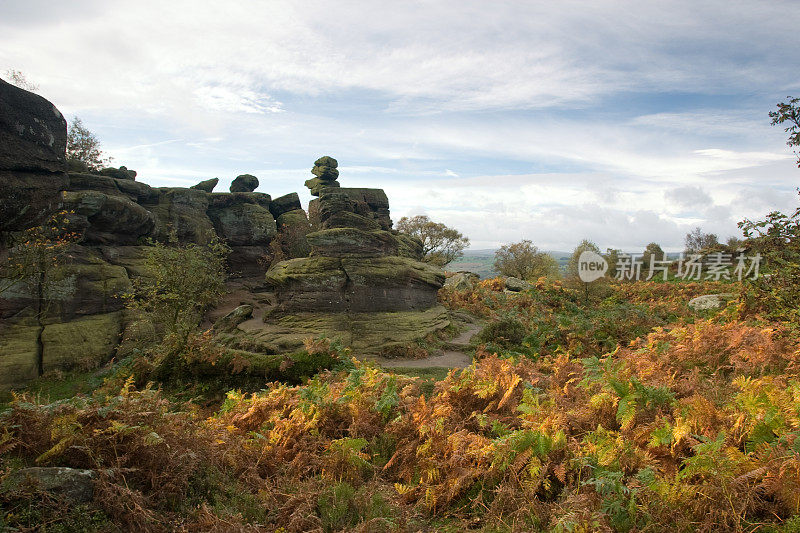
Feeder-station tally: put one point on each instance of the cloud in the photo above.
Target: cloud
(688, 197)
(520, 120)
(234, 101)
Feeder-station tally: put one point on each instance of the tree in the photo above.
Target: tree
(83, 147)
(583, 246)
(180, 281)
(777, 239)
(789, 111)
(696, 241)
(17, 78)
(440, 244)
(612, 258)
(524, 261)
(652, 252)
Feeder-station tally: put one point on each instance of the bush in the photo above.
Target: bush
(506, 332)
(179, 282)
(524, 261)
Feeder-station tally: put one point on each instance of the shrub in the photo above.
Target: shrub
(506, 332)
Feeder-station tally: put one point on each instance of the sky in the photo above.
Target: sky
(622, 122)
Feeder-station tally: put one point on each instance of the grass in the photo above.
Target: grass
(52, 387)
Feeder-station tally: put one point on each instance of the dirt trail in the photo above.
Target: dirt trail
(453, 355)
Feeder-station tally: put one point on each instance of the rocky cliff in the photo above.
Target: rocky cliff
(113, 217)
(353, 277)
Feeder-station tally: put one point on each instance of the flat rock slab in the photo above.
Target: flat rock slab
(365, 333)
(70, 484)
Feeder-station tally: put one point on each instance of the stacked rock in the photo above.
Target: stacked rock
(326, 175)
(357, 262)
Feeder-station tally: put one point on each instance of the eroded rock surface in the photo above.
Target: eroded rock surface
(358, 267)
(114, 217)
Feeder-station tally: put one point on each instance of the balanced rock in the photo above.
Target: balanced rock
(357, 263)
(113, 217)
(206, 185)
(326, 175)
(244, 183)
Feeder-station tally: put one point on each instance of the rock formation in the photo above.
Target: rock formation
(206, 185)
(114, 217)
(362, 281)
(244, 183)
(326, 175)
(353, 277)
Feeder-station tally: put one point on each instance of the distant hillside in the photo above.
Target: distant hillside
(482, 262)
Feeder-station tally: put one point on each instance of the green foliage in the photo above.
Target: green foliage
(342, 507)
(612, 258)
(179, 282)
(652, 252)
(572, 264)
(37, 253)
(440, 244)
(789, 112)
(777, 239)
(83, 146)
(506, 332)
(523, 260)
(696, 241)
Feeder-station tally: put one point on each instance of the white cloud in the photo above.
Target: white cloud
(235, 101)
(623, 121)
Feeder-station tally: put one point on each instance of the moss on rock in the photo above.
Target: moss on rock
(18, 352)
(82, 343)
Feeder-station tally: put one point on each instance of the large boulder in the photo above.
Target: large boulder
(85, 342)
(108, 219)
(284, 204)
(242, 219)
(354, 242)
(33, 138)
(182, 211)
(516, 285)
(331, 284)
(70, 485)
(121, 173)
(33, 133)
(244, 183)
(135, 191)
(462, 280)
(710, 301)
